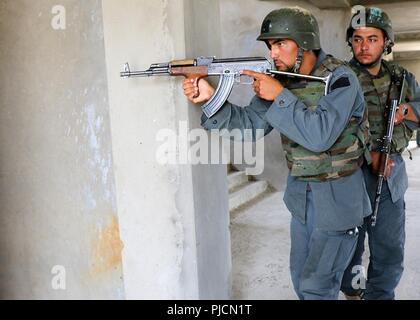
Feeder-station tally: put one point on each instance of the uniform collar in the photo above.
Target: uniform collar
(320, 59)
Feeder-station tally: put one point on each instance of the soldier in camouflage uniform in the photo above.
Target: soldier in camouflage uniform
(369, 43)
(324, 139)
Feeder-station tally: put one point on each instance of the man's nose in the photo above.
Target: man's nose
(365, 46)
(273, 53)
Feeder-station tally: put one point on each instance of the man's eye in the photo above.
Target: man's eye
(372, 40)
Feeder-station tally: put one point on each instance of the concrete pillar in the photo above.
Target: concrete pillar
(174, 217)
(59, 234)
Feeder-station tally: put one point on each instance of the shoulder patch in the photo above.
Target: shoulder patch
(340, 83)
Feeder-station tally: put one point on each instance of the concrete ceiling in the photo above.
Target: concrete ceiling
(328, 4)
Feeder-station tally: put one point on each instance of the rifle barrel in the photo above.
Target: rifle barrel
(146, 73)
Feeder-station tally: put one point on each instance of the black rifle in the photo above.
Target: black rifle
(396, 94)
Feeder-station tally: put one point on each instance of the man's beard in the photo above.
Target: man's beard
(288, 68)
(371, 64)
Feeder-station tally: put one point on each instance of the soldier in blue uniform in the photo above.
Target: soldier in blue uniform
(324, 139)
(369, 43)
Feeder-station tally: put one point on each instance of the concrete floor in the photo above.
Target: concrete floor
(261, 243)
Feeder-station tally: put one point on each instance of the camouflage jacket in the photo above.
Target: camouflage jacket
(375, 90)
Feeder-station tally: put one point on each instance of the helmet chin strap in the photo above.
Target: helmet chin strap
(298, 61)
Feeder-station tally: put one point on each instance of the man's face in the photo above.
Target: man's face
(284, 53)
(368, 44)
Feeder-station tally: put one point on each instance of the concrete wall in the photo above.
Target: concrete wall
(81, 188)
(240, 30)
(56, 169)
(411, 65)
(209, 181)
(403, 14)
(174, 218)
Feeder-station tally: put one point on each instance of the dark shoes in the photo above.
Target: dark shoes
(358, 295)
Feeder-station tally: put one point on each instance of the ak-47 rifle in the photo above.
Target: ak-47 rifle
(228, 69)
(396, 94)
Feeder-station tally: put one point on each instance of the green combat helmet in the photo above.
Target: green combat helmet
(292, 23)
(374, 17)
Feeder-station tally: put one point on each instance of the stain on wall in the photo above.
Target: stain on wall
(106, 248)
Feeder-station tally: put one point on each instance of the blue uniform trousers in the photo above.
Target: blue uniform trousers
(386, 244)
(318, 258)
